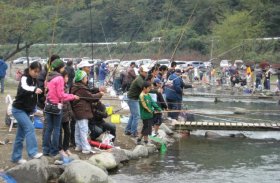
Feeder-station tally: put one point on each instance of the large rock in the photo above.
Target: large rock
(32, 171)
(140, 151)
(128, 153)
(166, 129)
(120, 155)
(105, 159)
(152, 149)
(212, 135)
(55, 171)
(240, 111)
(83, 172)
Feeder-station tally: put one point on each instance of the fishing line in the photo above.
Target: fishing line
(183, 32)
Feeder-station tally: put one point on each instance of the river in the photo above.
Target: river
(197, 159)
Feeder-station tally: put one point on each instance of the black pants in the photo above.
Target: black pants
(147, 127)
(72, 132)
(64, 144)
(96, 129)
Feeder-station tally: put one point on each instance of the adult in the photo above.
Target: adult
(152, 74)
(41, 83)
(3, 68)
(129, 76)
(163, 69)
(103, 72)
(117, 78)
(259, 76)
(133, 103)
(97, 124)
(172, 68)
(56, 95)
(174, 92)
(87, 67)
(267, 79)
(71, 73)
(23, 106)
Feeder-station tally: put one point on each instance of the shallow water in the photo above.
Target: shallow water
(197, 159)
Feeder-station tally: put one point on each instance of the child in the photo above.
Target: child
(147, 109)
(97, 124)
(55, 96)
(66, 118)
(23, 106)
(160, 102)
(82, 110)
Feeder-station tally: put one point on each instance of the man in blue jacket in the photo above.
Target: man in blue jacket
(174, 93)
(103, 72)
(3, 68)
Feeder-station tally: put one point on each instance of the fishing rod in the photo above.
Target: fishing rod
(126, 51)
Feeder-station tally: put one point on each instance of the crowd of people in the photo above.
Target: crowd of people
(73, 109)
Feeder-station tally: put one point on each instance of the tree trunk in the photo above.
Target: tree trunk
(17, 50)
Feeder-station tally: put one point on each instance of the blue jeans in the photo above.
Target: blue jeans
(2, 82)
(117, 85)
(134, 116)
(174, 105)
(101, 82)
(258, 82)
(51, 144)
(267, 84)
(81, 135)
(25, 130)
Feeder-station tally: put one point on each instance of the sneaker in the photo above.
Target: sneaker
(134, 135)
(37, 156)
(68, 152)
(21, 161)
(138, 141)
(86, 151)
(127, 133)
(155, 134)
(63, 153)
(78, 149)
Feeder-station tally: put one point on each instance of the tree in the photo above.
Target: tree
(21, 26)
(236, 28)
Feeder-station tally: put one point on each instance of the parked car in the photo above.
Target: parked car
(20, 60)
(147, 62)
(33, 59)
(112, 62)
(225, 63)
(163, 62)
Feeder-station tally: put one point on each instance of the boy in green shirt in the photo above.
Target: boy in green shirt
(147, 109)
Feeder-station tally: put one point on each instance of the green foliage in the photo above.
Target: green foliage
(229, 23)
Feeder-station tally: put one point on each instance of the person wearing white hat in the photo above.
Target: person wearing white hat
(133, 103)
(85, 66)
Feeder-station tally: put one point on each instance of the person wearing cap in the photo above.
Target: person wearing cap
(85, 66)
(174, 93)
(157, 90)
(56, 96)
(82, 110)
(133, 103)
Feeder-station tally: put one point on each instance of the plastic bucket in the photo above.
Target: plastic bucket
(37, 122)
(109, 110)
(116, 118)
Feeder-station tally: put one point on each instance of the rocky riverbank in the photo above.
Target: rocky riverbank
(87, 169)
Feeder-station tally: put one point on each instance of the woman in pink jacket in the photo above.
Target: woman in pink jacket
(56, 96)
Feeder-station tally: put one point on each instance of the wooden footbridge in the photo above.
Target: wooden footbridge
(238, 126)
(216, 96)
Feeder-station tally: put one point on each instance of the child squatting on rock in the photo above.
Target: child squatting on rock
(147, 109)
